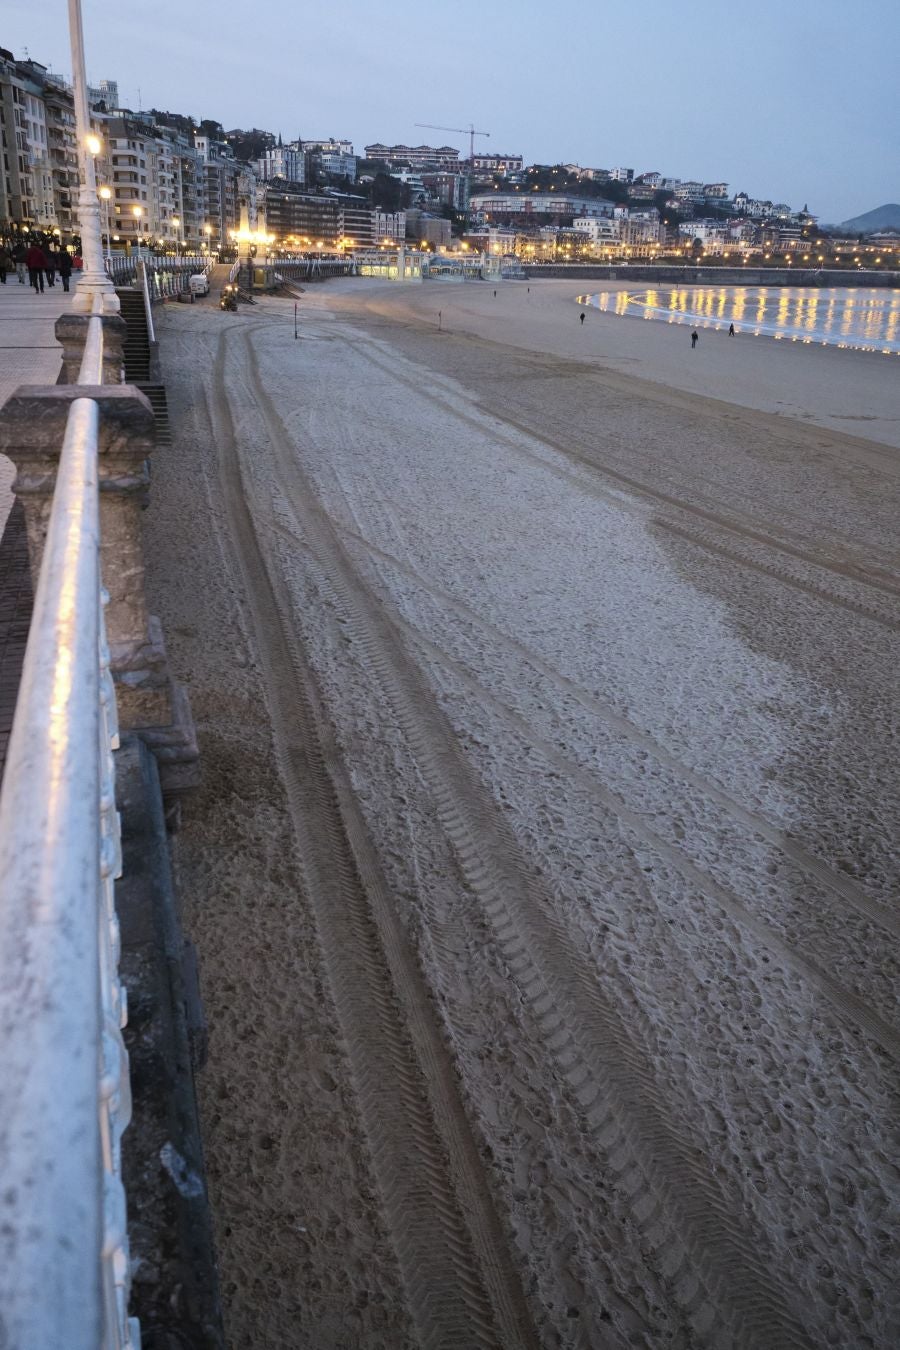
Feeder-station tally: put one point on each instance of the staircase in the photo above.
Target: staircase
(136, 350)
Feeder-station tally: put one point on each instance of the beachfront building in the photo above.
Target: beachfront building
(641, 228)
(428, 229)
(158, 181)
(713, 234)
(492, 240)
(325, 221)
(601, 232)
(220, 174)
(39, 182)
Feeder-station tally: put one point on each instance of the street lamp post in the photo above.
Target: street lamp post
(106, 194)
(94, 285)
(176, 221)
(137, 212)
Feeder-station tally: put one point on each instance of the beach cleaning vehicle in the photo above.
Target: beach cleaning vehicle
(199, 284)
(229, 298)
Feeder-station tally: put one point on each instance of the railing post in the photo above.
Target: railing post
(71, 333)
(32, 425)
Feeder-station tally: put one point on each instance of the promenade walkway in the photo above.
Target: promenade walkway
(29, 354)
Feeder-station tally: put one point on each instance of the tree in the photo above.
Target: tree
(388, 193)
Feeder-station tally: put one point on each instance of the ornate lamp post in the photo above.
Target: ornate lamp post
(137, 212)
(93, 285)
(106, 194)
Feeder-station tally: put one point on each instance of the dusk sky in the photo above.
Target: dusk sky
(797, 103)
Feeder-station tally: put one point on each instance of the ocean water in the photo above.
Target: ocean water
(863, 319)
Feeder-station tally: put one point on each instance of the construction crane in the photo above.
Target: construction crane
(463, 131)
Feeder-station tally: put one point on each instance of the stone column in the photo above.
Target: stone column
(71, 333)
(32, 428)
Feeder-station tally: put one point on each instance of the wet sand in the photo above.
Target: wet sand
(544, 876)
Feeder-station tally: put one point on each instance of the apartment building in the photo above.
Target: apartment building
(599, 230)
(170, 185)
(332, 157)
(282, 161)
(501, 165)
(39, 179)
(105, 93)
(487, 207)
(327, 221)
(713, 234)
(222, 177)
(416, 156)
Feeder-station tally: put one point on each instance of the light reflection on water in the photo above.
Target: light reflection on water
(864, 319)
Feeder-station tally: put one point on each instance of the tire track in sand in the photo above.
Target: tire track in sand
(840, 885)
(461, 1286)
(714, 1261)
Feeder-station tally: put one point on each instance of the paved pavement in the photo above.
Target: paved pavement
(29, 354)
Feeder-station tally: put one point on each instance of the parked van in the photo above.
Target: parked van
(199, 284)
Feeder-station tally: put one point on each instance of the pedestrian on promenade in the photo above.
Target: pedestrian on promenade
(19, 258)
(6, 263)
(35, 261)
(50, 265)
(695, 338)
(65, 267)
(582, 316)
(731, 330)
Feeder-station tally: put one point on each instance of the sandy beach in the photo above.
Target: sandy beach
(544, 876)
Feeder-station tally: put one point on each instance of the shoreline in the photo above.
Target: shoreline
(852, 393)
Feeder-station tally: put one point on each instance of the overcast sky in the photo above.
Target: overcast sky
(797, 102)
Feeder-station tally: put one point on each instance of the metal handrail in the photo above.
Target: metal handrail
(64, 1091)
(91, 368)
(148, 309)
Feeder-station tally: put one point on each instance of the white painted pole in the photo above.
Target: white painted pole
(93, 283)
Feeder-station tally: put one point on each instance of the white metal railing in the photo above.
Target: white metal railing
(233, 270)
(65, 1099)
(170, 277)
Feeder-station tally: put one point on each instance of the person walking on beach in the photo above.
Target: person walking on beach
(35, 261)
(731, 330)
(19, 259)
(582, 316)
(695, 338)
(65, 268)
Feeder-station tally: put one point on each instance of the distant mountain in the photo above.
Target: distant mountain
(882, 218)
